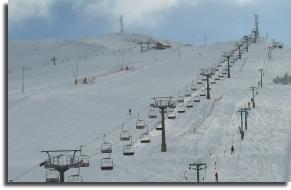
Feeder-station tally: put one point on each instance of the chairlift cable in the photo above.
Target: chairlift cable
(23, 173)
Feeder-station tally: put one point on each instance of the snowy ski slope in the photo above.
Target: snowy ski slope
(53, 113)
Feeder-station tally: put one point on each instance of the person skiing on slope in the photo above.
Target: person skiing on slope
(232, 149)
(216, 177)
(129, 111)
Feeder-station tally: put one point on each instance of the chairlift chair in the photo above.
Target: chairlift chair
(199, 82)
(124, 134)
(145, 137)
(217, 77)
(107, 164)
(187, 93)
(181, 108)
(203, 93)
(106, 147)
(140, 124)
(84, 161)
(190, 104)
(52, 176)
(180, 99)
(196, 98)
(128, 150)
(171, 114)
(159, 126)
(152, 113)
(212, 80)
(193, 88)
(75, 179)
(173, 104)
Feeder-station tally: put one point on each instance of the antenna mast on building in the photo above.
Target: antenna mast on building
(121, 24)
(257, 26)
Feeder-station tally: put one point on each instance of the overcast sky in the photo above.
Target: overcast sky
(178, 20)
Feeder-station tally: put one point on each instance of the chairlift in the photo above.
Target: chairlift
(199, 82)
(193, 88)
(145, 137)
(187, 93)
(159, 126)
(84, 161)
(124, 134)
(106, 147)
(75, 179)
(152, 113)
(190, 104)
(180, 99)
(196, 98)
(173, 104)
(212, 80)
(52, 176)
(140, 124)
(181, 108)
(128, 150)
(171, 113)
(203, 93)
(107, 164)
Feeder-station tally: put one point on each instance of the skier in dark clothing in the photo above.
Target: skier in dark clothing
(216, 177)
(129, 111)
(232, 149)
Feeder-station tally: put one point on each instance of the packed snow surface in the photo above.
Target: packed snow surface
(53, 113)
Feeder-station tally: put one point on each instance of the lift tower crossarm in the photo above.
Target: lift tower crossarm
(197, 167)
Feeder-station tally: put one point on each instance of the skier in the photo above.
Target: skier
(129, 111)
(232, 149)
(216, 177)
(85, 81)
(249, 104)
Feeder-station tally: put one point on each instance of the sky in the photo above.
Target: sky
(178, 20)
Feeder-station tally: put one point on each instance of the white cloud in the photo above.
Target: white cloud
(145, 13)
(21, 10)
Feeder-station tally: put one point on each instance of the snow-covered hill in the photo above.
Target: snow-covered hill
(54, 113)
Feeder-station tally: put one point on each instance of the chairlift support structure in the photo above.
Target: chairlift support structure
(63, 160)
(163, 103)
